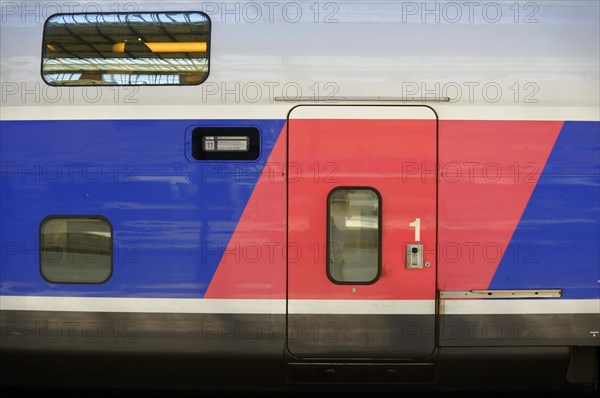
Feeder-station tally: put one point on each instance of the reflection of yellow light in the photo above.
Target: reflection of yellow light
(51, 47)
(118, 48)
(169, 47)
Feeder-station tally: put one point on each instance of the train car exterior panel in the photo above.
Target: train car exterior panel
(405, 197)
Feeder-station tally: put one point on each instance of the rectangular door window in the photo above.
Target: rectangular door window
(354, 235)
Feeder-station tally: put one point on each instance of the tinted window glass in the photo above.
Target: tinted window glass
(76, 249)
(354, 235)
(126, 49)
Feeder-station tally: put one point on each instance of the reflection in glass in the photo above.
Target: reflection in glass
(353, 249)
(76, 250)
(126, 49)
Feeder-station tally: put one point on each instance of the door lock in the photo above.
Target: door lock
(414, 256)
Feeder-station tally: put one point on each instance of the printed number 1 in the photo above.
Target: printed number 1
(417, 225)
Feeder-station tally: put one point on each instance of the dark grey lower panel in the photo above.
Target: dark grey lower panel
(219, 334)
(519, 330)
(142, 350)
(403, 337)
(249, 351)
(330, 336)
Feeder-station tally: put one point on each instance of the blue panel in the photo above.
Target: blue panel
(557, 241)
(172, 218)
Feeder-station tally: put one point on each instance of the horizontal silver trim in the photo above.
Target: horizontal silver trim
(501, 294)
(334, 99)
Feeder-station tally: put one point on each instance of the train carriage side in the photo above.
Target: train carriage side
(294, 195)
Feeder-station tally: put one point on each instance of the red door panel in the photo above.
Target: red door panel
(390, 150)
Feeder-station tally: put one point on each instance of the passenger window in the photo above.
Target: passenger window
(76, 249)
(354, 235)
(148, 48)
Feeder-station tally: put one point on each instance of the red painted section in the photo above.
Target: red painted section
(488, 170)
(253, 266)
(487, 173)
(382, 154)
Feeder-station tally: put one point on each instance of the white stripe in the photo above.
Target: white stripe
(154, 305)
(370, 307)
(217, 306)
(516, 306)
(278, 306)
(362, 112)
(276, 111)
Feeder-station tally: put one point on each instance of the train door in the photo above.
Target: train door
(361, 231)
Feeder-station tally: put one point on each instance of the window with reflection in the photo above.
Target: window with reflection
(76, 249)
(142, 48)
(354, 235)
